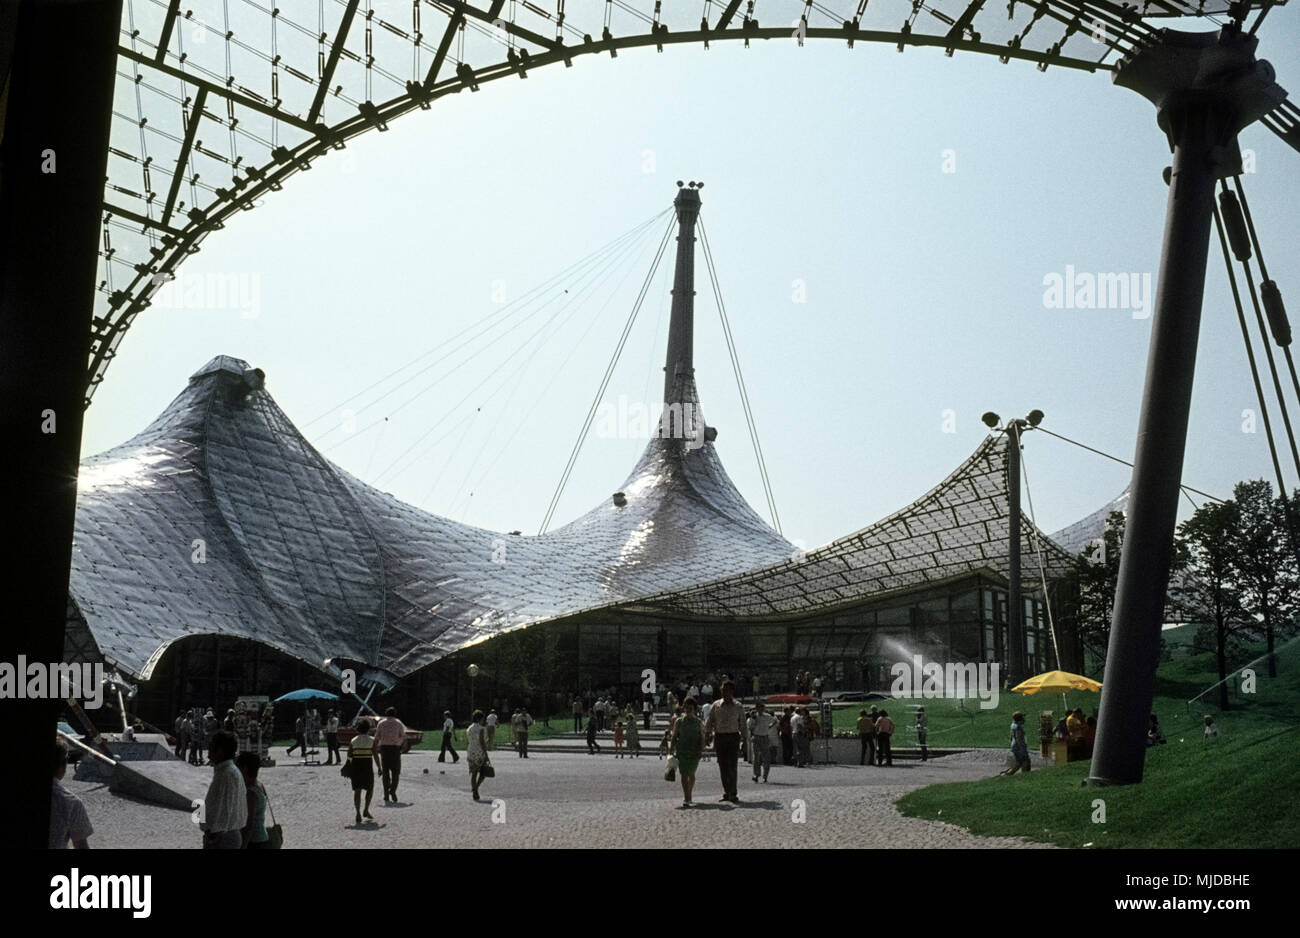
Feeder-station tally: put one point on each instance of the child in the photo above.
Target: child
(592, 745)
(633, 740)
(618, 739)
(1211, 731)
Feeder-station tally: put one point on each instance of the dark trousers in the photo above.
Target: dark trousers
(577, 722)
(300, 744)
(727, 748)
(523, 744)
(332, 741)
(787, 748)
(883, 754)
(390, 757)
(868, 749)
(647, 716)
(446, 748)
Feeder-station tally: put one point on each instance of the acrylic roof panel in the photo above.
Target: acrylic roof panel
(219, 518)
(961, 526)
(1075, 537)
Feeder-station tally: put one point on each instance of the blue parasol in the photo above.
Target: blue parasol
(307, 694)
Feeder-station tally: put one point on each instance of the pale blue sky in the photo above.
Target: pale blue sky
(924, 289)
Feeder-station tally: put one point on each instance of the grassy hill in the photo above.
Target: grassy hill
(1241, 791)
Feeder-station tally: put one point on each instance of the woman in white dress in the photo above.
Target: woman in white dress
(476, 753)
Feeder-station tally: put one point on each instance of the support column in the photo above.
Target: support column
(1015, 604)
(1206, 86)
(59, 60)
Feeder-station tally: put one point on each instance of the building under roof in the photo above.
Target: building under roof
(219, 523)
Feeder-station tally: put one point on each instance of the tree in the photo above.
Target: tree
(1206, 585)
(1266, 561)
(1096, 574)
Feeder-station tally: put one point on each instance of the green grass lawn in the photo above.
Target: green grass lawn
(1242, 790)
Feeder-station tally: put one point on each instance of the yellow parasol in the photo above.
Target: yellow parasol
(1057, 682)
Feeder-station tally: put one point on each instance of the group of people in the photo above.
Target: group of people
(876, 729)
(193, 729)
(234, 810)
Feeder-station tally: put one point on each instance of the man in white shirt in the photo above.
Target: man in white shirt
(332, 739)
(707, 691)
(725, 725)
(68, 818)
(694, 691)
(491, 728)
(390, 738)
(448, 727)
(225, 809)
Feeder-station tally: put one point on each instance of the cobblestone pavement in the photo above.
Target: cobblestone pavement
(572, 800)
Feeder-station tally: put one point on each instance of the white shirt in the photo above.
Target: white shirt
(226, 806)
(448, 726)
(704, 713)
(763, 723)
(491, 720)
(707, 689)
(796, 722)
(332, 725)
(693, 692)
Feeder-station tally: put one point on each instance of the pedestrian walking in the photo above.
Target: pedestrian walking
(761, 726)
(476, 751)
(253, 836)
(390, 737)
(646, 712)
(922, 725)
(786, 732)
(633, 740)
(1019, 748)
(448, 728)
(225, 808)
(686, 744)
(525, 721)
(577, 715)
(592, 746)
(724, 728)
(867, 736)
(618, 740)
(363, 757)
(491, 726)
(332, 739)
(884, 730)
(300, 738)
(800, 731)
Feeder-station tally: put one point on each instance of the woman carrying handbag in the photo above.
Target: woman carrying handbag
(480, 767)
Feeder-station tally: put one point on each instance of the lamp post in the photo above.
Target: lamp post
(1015, 605)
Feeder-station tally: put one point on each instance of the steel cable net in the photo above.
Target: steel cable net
(220, 101)
(962, 526)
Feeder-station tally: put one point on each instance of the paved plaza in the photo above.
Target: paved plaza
(566, 799)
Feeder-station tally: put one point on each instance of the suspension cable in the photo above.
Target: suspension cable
(1122, 462)
(1272, 298)
(1242, 251)
(505, 311)
(1038, 549)
(604, 383)
(740, 379)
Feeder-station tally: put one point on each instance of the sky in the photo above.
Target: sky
(885, 227)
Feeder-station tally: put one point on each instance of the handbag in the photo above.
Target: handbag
(274, 833)
(671, 774)
(487, 770)
(346, 768)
